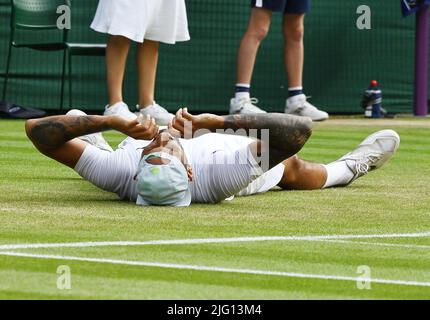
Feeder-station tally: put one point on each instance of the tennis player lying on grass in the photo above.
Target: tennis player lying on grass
(154, 167)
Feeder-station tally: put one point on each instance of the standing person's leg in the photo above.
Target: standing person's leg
(293, 28)
(293, 31)
(258, 27)
(116, 59)
(169, 26)
(147, 61)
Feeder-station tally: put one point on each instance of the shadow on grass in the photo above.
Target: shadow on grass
(52, 178)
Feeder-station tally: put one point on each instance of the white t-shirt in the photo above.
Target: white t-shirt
(222, 167)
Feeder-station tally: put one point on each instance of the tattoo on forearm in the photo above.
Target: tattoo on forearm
(287, 133)
(54, 131)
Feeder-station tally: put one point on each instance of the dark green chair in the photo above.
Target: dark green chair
(39, 15)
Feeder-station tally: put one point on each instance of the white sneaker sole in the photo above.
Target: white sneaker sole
(383, 134)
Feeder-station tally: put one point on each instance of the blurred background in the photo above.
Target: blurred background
(340, 60)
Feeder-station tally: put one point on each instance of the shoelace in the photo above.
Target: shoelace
(362, 165)
(250, 101)
(305, 105)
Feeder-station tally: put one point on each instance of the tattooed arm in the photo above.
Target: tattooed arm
(286, 134)
(54, 136)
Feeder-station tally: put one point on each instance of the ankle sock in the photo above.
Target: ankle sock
(338, 174)
(294, 91)
(242, 91)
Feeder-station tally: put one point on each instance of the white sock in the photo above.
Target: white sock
(338, 174)
(242, 95)
(295, 88)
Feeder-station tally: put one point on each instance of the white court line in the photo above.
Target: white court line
(209, 240)
(217, 269)
(381, 244)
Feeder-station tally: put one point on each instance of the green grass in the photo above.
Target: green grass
(44, 202)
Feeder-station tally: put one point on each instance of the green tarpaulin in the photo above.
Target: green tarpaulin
(340, 60)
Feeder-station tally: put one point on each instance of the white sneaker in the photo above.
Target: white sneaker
(299, 106)
(120, 109)
(244, 106)
(95, 139)
(162, 116)
(372, 153)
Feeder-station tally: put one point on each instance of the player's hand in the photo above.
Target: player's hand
(186, 125)
(142, 128)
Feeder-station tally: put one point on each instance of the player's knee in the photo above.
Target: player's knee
(294, 162)
(293, 165)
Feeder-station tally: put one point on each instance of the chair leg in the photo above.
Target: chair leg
(70, 82)
(6, 77)
(63, 79)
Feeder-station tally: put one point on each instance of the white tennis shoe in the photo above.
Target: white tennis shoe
(95, 139)
(372, 153)
(120, 109)
(244, 106)
(162, 116)
(299, 106)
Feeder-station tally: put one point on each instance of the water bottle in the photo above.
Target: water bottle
(372, 101)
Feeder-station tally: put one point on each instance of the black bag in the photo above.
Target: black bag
(13, 111)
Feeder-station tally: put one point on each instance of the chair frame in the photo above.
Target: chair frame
(63, 46)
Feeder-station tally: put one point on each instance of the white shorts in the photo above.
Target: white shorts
(265, 182)
(158, 20)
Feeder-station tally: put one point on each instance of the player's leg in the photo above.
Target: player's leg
(116, 59)
(258, 27)
(302, 175)
(371, 154)
(293, 31)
